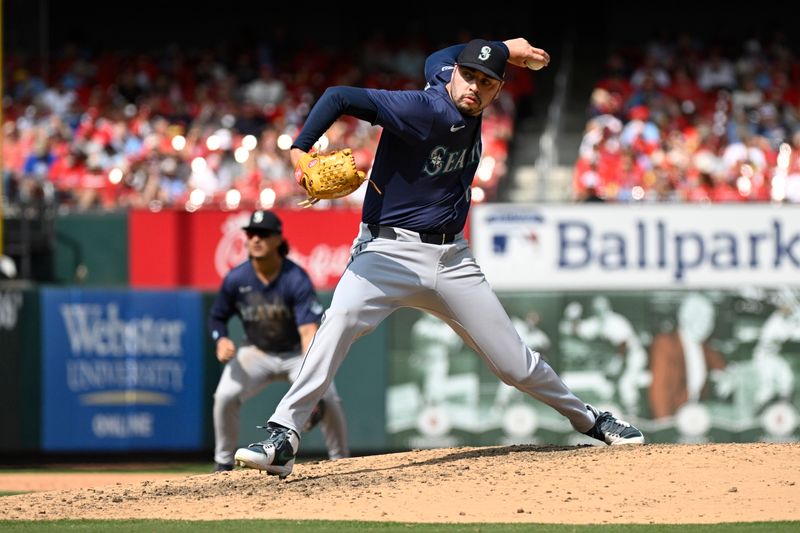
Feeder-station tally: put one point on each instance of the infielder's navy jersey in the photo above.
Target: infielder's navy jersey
(428, 152)
(270, 313)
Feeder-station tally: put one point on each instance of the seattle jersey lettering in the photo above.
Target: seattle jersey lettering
(256, 312)
(443, 160)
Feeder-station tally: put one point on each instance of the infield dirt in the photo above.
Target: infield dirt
(655, 483)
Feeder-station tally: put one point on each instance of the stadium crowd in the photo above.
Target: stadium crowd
(679, 120)
(194, 128)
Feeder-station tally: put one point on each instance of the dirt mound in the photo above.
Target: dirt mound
(656, 483)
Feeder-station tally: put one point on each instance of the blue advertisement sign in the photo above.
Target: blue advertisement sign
(121, 370)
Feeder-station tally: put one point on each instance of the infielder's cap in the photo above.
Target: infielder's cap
(264, 220)
(487, 56)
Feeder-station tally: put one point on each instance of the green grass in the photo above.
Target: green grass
(313, 526)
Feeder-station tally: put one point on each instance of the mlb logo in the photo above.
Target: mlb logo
(499, 244)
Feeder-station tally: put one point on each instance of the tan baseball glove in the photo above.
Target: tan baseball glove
(325, 177)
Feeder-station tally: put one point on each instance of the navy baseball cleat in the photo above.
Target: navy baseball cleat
(274, 455)
(611, 430)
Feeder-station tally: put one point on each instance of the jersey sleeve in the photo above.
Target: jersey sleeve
(307, 308)
(335, 102)
(439, 65)
(223, 309)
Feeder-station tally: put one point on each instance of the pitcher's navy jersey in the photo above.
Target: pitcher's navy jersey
(427, 155)
(270, 313)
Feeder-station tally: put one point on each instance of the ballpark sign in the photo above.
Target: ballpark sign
(642, 246)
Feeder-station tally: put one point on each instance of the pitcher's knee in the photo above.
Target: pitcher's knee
(224, 400)
(344, 318)
(514, 376)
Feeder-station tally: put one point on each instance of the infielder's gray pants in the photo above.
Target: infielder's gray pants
(444, 280)
(245, 376)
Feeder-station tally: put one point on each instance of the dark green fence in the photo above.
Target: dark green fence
(91, 249)
(412, 383)
(20, 363)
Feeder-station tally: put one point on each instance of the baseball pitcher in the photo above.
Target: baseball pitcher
(411, 250)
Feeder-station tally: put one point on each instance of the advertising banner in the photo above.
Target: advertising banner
(170, 249)
(218, 243)
(121, 370)
(683, 366)
(642, 246)
(157, 248)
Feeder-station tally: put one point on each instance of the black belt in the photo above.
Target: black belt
(386, 232)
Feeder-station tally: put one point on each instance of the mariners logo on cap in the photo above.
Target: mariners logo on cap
(485, 56)
(258, 216)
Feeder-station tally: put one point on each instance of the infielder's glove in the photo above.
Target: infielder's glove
(316, 415)
(325, 177)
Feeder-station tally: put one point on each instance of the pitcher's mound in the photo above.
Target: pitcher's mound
(655, 483)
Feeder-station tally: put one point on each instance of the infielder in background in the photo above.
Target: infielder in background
(280, 313)
(411, 250)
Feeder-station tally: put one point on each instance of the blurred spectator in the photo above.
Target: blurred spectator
(716, 72)
(667, 136)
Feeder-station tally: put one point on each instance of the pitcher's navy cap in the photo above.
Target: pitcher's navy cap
(488, 57)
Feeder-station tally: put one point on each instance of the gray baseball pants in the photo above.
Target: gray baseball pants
(397, 270)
